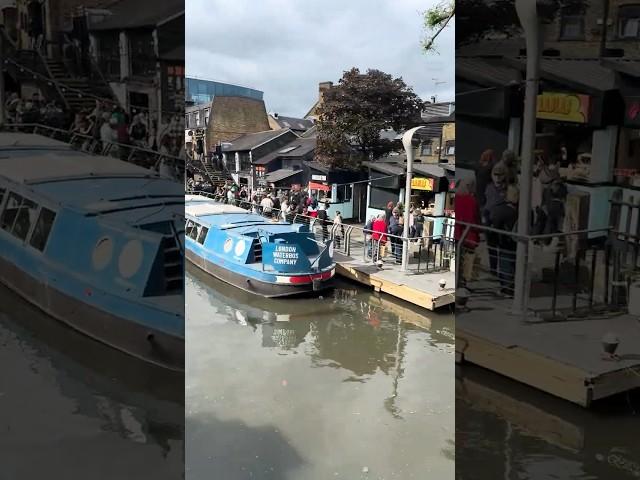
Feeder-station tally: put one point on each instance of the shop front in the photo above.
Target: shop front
(430, 190)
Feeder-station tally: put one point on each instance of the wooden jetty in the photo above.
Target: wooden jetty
(564, 359)
(420, 288)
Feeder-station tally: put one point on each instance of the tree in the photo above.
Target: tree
(436, 20)
(354, 112)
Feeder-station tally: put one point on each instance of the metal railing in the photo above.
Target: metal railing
(561, 277)
(143, 157)
(428, 253)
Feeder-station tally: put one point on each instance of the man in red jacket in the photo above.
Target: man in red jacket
(378, 237)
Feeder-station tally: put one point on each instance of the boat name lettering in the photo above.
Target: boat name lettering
(285, 255)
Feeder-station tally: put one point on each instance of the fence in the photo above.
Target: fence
(567, 274)
(168, 164)
(427, 254)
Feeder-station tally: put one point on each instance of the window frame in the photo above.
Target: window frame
(622, 18)
(422, 147)
(33, 227)
(563, 36)
(4, 198)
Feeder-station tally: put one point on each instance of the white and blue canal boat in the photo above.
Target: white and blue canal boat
(256, 254)
(96, 243)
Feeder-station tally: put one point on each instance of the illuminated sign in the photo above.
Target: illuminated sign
(321, 178)
(564, 107)
(418, 183)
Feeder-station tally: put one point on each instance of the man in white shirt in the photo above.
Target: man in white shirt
(267, 205)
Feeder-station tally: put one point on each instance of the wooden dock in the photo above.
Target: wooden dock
(560, 358)
(421, 289)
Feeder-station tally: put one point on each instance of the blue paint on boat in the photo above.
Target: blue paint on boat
(254, 253)
(95, 242)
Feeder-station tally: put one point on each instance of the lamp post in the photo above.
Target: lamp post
(408, 148)
(528, 16)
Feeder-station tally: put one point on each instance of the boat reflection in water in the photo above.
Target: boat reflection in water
(327, 373)
(74, 403)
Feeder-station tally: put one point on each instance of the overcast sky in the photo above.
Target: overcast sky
(286, 47)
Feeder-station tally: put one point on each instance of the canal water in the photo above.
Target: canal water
(350, 385)
(71, 408)
(508, 431)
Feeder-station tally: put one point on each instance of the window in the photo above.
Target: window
(197, 118)
(379, 197)
(426, 148)
(186, 121)
(572, 27)
(2, 190)
(42, 229)
(202, 236)
(629, 21)
(206, 116)
(18, 216)
(450, 148)
(190, 229)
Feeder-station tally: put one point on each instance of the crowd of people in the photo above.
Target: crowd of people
(35, 110)
(492, 199)
(301, 206)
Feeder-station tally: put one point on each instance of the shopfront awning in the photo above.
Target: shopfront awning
(319, 186)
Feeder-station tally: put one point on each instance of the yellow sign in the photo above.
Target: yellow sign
(422, 184)
(564, 107)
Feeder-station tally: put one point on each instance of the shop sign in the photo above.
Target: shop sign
(418, 183)
(320, 178)
(632, 111)
(564, 107)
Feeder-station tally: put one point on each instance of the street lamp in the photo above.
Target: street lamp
(408, 148)
(527, 11)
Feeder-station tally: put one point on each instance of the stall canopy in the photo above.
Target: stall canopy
(319, 186)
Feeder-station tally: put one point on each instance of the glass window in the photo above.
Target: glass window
(202, 235)
(206, 116)
(379, 197)
(450, 148)
(426, 149)
(42, 229)
(572, 27)
(190, 227)
(10, 212)
(193, 232)
(197, 116)
(629, 21)
(18, 216)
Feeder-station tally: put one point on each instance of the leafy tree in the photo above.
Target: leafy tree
(355, 111)
(436, 20)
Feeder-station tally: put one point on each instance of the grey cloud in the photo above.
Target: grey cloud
(285, 47)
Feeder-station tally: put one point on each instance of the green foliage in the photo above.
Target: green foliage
(435, 20)
(354, 112)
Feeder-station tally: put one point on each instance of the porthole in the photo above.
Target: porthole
(130, 259)
(240, 247)
(102, 253)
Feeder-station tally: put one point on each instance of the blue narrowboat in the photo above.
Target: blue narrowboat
(96, 243)
(256, 254)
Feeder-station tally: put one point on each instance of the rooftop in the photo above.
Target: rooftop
(249, 141)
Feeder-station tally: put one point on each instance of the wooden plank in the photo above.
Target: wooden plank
(611, 383)
(545, 374)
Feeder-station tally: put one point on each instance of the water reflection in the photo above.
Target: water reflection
(71, 405)
(508, 431)
(328, 373)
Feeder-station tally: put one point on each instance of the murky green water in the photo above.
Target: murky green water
(349, 386)
(71, 408)
(507, 431)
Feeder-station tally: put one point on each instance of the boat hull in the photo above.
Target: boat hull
(255, 286)
(146, 343)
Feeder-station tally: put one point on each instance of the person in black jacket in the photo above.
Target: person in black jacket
(322, 216)
(504, 217)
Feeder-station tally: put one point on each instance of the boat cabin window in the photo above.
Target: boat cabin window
(2, 191)
(42, 229)
(18, 216)
(190, 227)
(202, 235)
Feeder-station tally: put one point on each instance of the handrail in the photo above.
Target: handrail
(89, 137)
(531, 237)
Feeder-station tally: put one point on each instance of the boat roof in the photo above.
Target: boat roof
(89, 182)
(202, 209)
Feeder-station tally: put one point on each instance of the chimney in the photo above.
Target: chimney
(324, 86)
(433, 99)
(275, 115)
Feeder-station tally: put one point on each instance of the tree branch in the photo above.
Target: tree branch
(429, 43)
